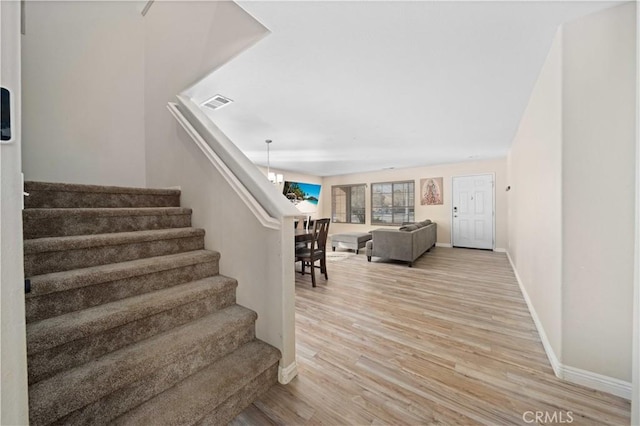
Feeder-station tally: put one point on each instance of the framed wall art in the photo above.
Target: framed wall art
(431, 191)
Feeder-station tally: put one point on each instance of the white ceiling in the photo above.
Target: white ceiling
(345, 87)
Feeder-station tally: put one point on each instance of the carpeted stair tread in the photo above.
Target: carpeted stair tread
(56, 331)
(54, 254)
(76, 187)
(88, 287)
(72, 389)
(238, 402)
(77, 242)
(76, 278)
(41, 223)
(109, 407)
(52, 213)
(99, 333)
(65, 195)
(200, 394)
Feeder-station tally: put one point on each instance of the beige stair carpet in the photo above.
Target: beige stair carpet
(128, 318)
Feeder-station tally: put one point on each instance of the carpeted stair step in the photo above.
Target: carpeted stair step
(59, 293)
(69, 340)
(128, 317)
(238, 402)
(53, 254)
(216, 394)
(40, 223)
(65, 195)
(113, 384)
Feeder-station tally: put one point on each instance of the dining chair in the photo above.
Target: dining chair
(316, 251)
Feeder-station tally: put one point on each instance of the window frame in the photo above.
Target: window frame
(348, 203)
(412, 207)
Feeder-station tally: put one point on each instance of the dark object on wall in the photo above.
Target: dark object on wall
(5, 108)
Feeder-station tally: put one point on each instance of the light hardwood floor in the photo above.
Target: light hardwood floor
(449, 341)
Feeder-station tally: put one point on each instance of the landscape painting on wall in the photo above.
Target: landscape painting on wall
(305, 196)
(431, 191)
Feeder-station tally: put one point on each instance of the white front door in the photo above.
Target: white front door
(472, 211)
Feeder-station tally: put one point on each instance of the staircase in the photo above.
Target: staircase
(128, 319)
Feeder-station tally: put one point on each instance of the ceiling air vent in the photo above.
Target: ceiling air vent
(217, 102)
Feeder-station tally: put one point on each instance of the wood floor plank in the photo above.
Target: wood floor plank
(449, 341)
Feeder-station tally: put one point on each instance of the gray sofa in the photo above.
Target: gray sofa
(407, 243)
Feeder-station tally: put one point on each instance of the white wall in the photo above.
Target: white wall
(440, 214)
(575, 151)
(83, 92)
(598, 175)
(249, 252)
(535, 200)
(184, 42)
(13, 346)
(635, 400)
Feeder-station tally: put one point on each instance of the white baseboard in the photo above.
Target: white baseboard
(551, 355)
(571, 374)
(597, 381)
(448, 245)
(286, 374)
(179, 188)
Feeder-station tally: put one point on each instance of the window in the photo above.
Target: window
(392, 203)
(348, 204)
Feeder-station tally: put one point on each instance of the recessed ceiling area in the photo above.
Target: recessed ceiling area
(347, 87)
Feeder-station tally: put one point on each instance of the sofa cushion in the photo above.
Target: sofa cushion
(409, 228)
(426, 222)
